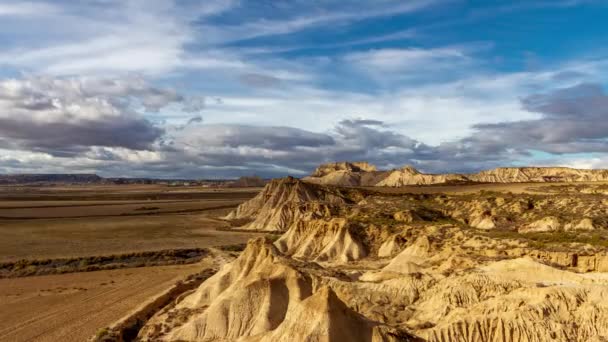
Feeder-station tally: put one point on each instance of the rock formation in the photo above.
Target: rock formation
(364, 265)
(546, 224)
(364, 174)
(321, 240)
(538, 174)
(261, 296)
(393, 245)
(330, 168)
(283, 202)
(410, 176)
(347, 174)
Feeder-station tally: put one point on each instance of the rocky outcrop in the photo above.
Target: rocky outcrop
(321, 240)
(581, 261)
(533, 314)
(283, 202)
(410, 176)
(393, 245)
(261, 296)
(538, 174)
(346, 174)
(584, 224)
(412, 258)
(533, 302)
(482, 220)
(324, 317)
(329, 168)
(546, 224)
(363, 174)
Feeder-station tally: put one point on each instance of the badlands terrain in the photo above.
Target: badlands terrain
(391, 264)
(519, 254)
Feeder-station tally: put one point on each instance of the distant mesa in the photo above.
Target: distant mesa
(46, 179)
(329, 168)
(82, 178)
(365, 174)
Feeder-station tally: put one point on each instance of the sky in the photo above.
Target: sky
(228, 88)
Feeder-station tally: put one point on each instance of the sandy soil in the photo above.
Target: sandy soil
(72, 307)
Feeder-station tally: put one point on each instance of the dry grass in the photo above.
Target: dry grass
(552, 240)
(24, 268)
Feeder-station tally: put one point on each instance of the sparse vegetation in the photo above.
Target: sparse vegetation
(24, 268)
(104, 335)
(552, 239)
(148, 208)
(233, 248)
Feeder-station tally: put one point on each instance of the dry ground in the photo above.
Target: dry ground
(54, 222)
(75, 221)
(72, 307)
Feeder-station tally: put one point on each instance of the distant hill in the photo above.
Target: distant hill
(364, 174)
(71, 178)
(90, 178)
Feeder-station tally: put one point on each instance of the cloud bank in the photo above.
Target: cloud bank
(225, 88)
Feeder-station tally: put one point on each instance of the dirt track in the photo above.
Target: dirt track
(72, 307)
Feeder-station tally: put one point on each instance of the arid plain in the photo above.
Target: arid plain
(77, 223)
(86, 220)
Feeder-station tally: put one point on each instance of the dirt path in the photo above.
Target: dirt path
(72, 307)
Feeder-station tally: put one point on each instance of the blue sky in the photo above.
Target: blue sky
(224, 88)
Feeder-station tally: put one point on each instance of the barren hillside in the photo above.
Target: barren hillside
(360, 265)
(364, 174)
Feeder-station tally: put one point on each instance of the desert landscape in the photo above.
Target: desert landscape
(507, 260)
(303, 171)
(364, 255)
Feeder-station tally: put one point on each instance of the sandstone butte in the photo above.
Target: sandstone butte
(364, 174)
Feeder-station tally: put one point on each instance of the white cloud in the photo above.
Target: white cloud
(30, 9)
(405, 60)
(336, 13)
(587, 163)
(147, 37)
(431, 95)
(120, 154)
(67, 115)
